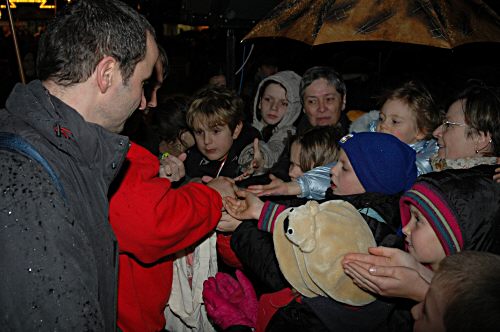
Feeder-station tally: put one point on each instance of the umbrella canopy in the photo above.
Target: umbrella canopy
(439, 23)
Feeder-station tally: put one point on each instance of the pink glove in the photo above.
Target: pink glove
(230, 302)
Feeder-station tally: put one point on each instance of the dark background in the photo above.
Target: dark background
(195, 55)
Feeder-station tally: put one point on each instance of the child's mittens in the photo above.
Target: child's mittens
(230, 302)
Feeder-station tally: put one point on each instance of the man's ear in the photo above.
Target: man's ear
(104, 72)
(344, 101)
(237, 130)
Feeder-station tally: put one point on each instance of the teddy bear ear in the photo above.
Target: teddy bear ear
(313, 206)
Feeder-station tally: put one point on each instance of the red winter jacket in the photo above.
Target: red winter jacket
(151, 221)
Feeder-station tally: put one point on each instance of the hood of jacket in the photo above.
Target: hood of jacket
(64, 128)
(291, 82)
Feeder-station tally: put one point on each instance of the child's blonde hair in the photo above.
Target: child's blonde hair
(215, 106)
(318, 146)
(416, 96)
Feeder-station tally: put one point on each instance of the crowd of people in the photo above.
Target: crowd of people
(123, 209)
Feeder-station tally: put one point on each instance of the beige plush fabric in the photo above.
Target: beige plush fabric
(310, 242)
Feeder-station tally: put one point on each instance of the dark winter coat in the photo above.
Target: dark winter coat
(59, 260)
(474, 197)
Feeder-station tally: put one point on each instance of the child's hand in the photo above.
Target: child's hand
(255, 165)
(249, 207)
(227, 223)
(172, 167)
(496, 177)
(393, 281)
(277, 187)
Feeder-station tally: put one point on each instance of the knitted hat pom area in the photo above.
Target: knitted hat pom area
(435, 208)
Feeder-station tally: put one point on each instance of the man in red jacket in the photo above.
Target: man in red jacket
(151, 221)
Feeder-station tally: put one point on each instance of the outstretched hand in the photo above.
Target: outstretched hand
(223, 185)
(383, 256)
(230, 302)
(172, 167)
(276, 187)
(227, 223)
(247, 206)
(388, 272)
(256, 164)
(393, 281)
(496, 177)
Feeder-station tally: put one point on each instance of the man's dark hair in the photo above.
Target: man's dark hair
(87, 31)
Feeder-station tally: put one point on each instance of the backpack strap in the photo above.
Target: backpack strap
(15, 143)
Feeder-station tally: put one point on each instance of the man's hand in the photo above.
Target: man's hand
(248, 206)
(224, 186)
(277, 187)
(172, 168)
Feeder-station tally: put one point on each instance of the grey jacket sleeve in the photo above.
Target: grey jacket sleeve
(314, 183)
(48, 278)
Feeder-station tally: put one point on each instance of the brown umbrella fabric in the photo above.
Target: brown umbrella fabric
(438, 23)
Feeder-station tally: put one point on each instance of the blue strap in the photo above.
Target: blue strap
(16, 143)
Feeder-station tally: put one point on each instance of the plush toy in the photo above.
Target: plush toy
(310, 242)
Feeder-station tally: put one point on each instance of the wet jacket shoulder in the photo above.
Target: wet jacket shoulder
(197, 165)
(277, 143)
(74, 247)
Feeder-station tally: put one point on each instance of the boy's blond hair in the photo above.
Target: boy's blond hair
(215, 106)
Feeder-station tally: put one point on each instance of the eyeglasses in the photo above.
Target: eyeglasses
(447, 124)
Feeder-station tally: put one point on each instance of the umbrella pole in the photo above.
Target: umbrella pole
(16, 46)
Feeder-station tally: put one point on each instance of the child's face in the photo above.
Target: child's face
(295, 171)
(429, 314)
(397, 119)
(214, 142)
(422, 241)
(344, 179)
(273, 104)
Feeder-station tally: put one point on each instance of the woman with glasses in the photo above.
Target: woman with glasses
(470, 132)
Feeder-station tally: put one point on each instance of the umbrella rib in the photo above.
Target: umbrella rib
(372, 23)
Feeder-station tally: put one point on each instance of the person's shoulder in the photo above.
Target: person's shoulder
(22, 176)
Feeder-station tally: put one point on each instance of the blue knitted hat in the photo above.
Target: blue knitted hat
(382, 163)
